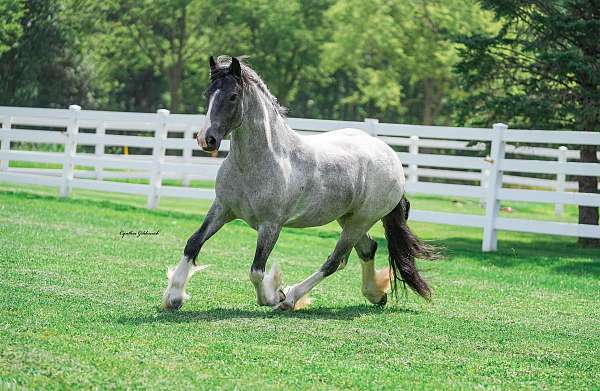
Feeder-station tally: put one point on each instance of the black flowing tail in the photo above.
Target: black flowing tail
(403, 248)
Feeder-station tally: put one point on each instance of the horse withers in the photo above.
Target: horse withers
(274, 178)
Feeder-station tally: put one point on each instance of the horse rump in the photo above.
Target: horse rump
(404, 247)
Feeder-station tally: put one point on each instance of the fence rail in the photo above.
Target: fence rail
(433, 153)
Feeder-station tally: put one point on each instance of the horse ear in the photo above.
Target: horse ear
(212, 63)
(235, 69)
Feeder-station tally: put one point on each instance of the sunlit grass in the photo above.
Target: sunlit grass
(79, 305)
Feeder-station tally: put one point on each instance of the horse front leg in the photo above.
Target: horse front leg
(268, 286)
(175, 294)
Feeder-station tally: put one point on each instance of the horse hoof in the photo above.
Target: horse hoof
(173, 305)
(284, 306)
(383, 301)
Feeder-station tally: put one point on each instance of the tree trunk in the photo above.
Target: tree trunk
(176, 71)
(433, 92)
(427, 101)
(588, 184)
(175, 75)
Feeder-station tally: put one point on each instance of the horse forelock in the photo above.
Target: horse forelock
(249, 78)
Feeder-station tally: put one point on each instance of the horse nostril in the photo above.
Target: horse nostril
(211, 141)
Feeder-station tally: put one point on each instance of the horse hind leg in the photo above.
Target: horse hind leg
(334, 262)
(375, 283)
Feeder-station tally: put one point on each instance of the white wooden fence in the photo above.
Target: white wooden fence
(483, 177)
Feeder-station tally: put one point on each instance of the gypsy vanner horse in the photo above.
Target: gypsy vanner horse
(274, 178)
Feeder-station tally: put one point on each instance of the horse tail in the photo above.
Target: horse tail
(403, 248)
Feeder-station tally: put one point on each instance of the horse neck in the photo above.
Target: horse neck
(263, 134)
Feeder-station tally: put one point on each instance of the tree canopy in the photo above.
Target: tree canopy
(323, 58)
(40, 65)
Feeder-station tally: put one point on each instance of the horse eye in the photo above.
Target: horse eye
(233, 97)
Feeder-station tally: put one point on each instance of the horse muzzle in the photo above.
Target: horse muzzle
(208, 142)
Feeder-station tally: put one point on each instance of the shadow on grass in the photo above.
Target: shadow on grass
(591, 268)
(558, 254)
(219, 314)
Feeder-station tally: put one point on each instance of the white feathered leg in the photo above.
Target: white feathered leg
(175, 295)
(268, 286)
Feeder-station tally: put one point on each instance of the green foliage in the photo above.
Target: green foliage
(79, 307)
(322, 58)
(283, 40)
(399, 55)
(40, 66)
(542, 69)
(160, 49)
(11, 12)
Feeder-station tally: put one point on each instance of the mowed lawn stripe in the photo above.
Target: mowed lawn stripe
(79, 307)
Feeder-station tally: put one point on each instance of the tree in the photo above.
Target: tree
(283, 40)
(38, 64)
(542, 69)
(163, 43)
(11, 30)
(162, 36)
(398, 55)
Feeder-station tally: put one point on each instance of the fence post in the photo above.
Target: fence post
(372, 126)
(99, 150)
(413, 169)
(5, 141)
(485, 181)
(187, 153)
(560, 179)
(70, 150)
(158, 153)
(492, 205)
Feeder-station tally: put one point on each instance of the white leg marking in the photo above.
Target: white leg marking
(374, 284)
(175, 294)
(296, 292)
(267, 285)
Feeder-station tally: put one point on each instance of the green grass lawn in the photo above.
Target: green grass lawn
(79, 305)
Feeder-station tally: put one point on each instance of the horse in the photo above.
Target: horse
(274, 177)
